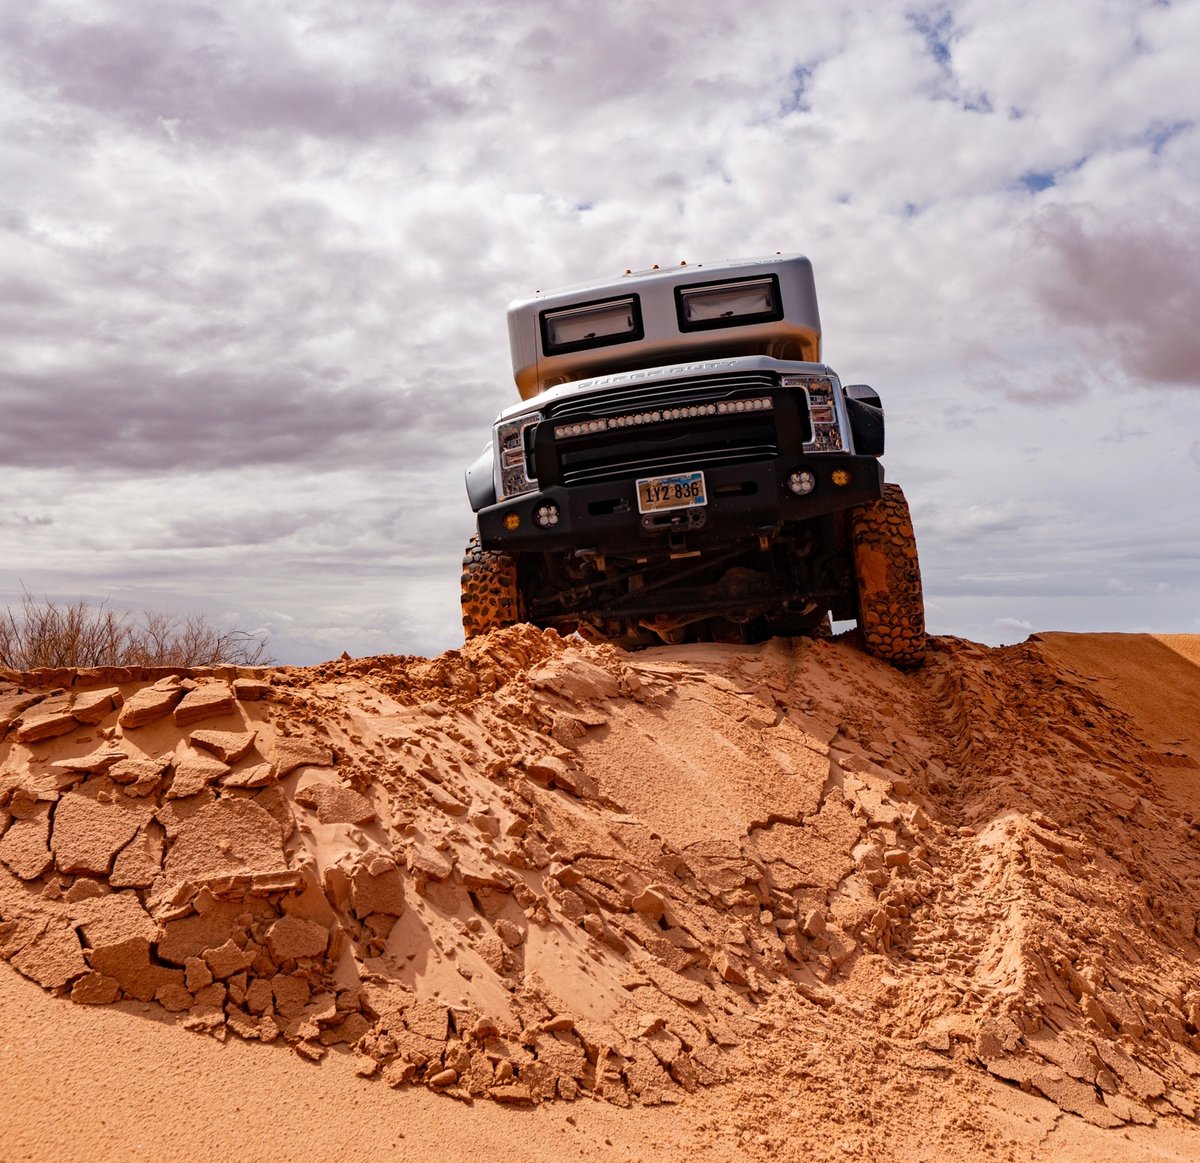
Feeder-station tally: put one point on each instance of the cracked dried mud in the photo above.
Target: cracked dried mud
(550, 899)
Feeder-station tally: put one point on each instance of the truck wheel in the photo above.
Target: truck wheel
(490, 594)
(891, 611)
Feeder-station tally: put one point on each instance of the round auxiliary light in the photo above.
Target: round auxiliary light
(802, 482)
(511, 520)
(546, 516)
(840, 477)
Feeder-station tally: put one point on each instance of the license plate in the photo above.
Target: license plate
(680, 491)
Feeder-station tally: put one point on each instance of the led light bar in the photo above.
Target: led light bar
(683, 412)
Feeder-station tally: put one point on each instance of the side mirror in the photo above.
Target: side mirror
(864, 392)
(865, 410)
(481, 483)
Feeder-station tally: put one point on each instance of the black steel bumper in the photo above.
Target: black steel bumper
(742, 501)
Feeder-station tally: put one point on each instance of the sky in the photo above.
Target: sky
(255, 258)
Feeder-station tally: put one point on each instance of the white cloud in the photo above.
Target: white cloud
(1008, 630)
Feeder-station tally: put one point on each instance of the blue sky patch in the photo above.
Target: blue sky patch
(795, 101)
(935, 29)
(1035, 181)
(1161, 132)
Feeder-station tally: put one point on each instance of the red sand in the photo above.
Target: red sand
(769, 902)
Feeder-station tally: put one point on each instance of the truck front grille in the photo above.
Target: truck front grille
(673, 393)
(668, 443)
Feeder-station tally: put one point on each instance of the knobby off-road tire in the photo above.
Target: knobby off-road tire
(891, 610)
(491, 597)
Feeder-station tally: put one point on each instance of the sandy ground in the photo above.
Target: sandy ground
(778, 902)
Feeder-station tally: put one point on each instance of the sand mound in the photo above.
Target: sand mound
(536, 869)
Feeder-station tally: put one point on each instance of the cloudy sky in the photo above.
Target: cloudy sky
(255, 258)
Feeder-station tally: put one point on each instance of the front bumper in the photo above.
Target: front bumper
(743, 501)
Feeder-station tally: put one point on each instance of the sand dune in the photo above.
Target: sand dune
(742, 902)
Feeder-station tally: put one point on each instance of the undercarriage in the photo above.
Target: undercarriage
(783, 583)
(860, 564)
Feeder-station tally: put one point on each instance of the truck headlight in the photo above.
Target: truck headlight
(826, 434)
(513, 475)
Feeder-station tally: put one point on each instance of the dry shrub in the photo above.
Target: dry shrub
(47, 634)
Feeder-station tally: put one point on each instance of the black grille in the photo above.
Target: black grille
(665, 446)
(733, 443)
